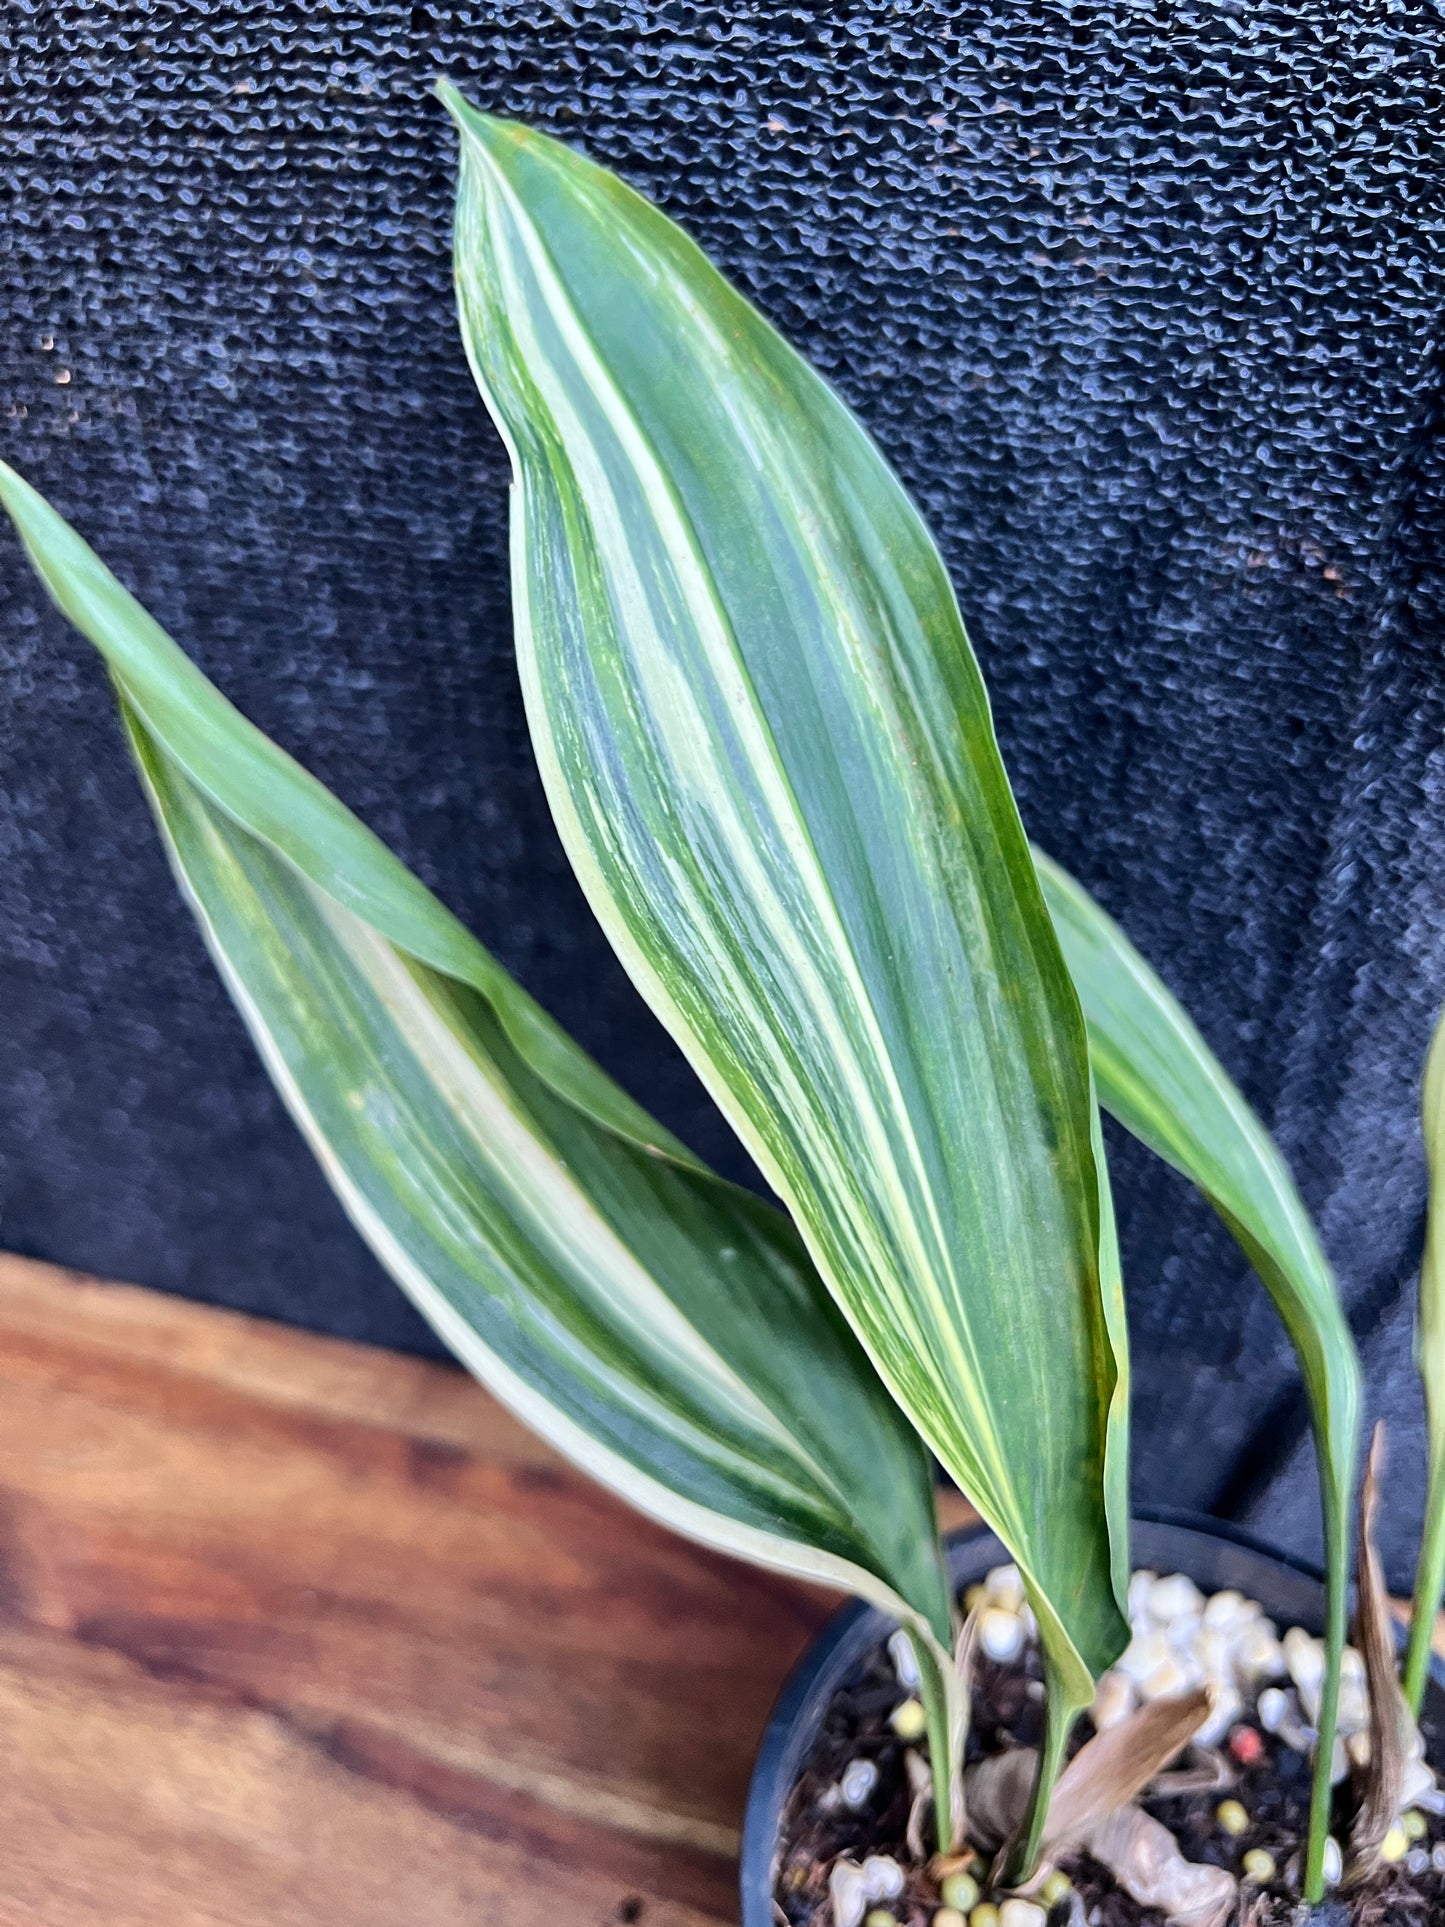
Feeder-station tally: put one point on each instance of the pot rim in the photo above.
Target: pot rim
(1163, 1538)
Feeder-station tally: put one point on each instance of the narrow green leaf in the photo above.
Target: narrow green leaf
(770, 755)
(1430, 1358)
(1111, 1285)
(257, 783)
(1156, 1074)
(663, 1329)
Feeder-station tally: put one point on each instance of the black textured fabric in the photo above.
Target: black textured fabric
(1141, 299)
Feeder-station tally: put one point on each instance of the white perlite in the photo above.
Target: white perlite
(905, 1661)
(1021, 1913)
(1182, 1639)
(853, 1889)
(882, 1877)
(847, 1894)
(1001, 1633)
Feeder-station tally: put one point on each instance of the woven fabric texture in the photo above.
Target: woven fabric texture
(1142, 299)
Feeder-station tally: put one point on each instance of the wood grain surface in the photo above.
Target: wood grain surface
(298, 1632)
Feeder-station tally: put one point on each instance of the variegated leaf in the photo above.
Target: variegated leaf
(1156, 1074)
(663, 1329)
(769, 752)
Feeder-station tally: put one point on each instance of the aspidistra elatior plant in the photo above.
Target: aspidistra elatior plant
(769, 750)
(697, 512)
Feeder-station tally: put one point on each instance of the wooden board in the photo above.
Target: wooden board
(298, 1632)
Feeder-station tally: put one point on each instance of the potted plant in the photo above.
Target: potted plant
(769, 751)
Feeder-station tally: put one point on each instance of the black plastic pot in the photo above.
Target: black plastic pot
(1213, 1554)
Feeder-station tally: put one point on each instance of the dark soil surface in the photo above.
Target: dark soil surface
(1007, 1700)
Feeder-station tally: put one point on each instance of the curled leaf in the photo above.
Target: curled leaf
(1208, 1771)
(1104, 1775)
(920, 1788)
(1144, 1857)
(1117, 1764)
(996, 1795)
(1395, 1743)
(965, 1653)
(956, 1700)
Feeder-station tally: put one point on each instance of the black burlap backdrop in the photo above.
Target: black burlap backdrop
(1141, 299)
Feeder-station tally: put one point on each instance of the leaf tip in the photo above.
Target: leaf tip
(451, 97)
(35, 521)
(14, 489)
(489, 131)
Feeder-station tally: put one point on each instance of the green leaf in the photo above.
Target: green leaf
(1156, 1074)
(663, 1329)
(770, 755)
(1430, 1358)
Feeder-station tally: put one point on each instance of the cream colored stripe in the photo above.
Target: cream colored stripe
(562, 1214)
(783, 924)
(609, 1468)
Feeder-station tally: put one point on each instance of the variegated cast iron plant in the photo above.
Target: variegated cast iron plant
(769, 751)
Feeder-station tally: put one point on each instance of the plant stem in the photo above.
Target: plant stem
(1336, 1551)
(1429, 1585)
(1059, 1717)
(939, 1689)
(1430, 1360)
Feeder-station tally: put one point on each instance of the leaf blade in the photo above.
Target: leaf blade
(786, 806)
(257, 783)
(660, 1327)
(1156, 1074)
